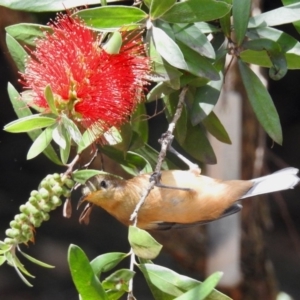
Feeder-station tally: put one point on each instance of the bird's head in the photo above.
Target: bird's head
(100, 188)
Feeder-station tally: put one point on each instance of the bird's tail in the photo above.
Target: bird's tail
(278, 181)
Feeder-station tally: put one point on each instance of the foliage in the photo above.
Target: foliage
(188, 43)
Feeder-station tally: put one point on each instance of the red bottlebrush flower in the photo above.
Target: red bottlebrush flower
(96, 89)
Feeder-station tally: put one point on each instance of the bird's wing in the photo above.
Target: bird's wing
(170, 225)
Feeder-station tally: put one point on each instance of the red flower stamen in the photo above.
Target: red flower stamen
(96, 89)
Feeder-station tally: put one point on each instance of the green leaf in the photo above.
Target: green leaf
(143, 244)
(17, 52)
(106, 262)
(27, 33)
(71, 128)
(118, 280)
(2, 260)
(202, 150)
(288, 2)
(190, 11)
(50, 99)
(225, 22)
(261, 102)
(241, 13)
(81, 176)
(198, 64)
(286, 42)
(36, 261)
(192, 37)
(206, 98)
(19, 268)
(139, 124)
(134, 170)
(151, 155)
(86, 282)
(59, 137)
(46, 5)
(262, 59)
(215, 127)
(114, 43)
(166, 280)
(275, 53)
(161, 70)
(171, 103)
(158, 7)
(112, 16)
(40, 143)
(283, 15)
(201, 291)
(207, 27)
(22, 110)
(168, 49)
(159, 91)
(133, 162)
(65, 152)
(29, 123)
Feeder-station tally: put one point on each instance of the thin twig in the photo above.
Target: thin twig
(165, 142)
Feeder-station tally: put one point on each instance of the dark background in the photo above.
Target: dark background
(19, 176)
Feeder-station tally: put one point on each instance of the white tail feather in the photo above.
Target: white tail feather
(278, 181)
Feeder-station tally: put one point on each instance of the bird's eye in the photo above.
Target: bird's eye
(103, 184)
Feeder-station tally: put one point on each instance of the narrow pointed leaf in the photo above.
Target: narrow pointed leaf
(65, 152)
(275, 53)
(206, 98)
(202, 150)
(58, 136)
(112, 16)
(2, 259)
(17, 52)
(50, 99)
(114, 44)
(215, 128)
(283, 15)
(192, 37)
(241, 13)
(82, 176)
(22, 110)
(192, 11)
(26, 32)
(36, 261)
(86, 282)
(29, 123)
(203, 290)
(119, 280)
(72, 129)
(143, 244)
(168, 49)
(261, 102)
(158, 7)
(40, 143)
(198, 64)
(106, 262)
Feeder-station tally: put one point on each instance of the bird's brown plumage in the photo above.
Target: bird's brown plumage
(206, 200)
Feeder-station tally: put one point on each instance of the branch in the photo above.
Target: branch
(165, 141)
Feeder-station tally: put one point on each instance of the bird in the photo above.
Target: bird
(182, 198)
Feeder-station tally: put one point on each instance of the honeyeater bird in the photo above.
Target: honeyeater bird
(199, 199)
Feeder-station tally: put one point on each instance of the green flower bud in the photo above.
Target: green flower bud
(12, 233)
(33, 201)
(45, 216)
(69, 183)
(57, 190)
(9, 241)
(55, 201)
(44, 193)
(14, 224)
